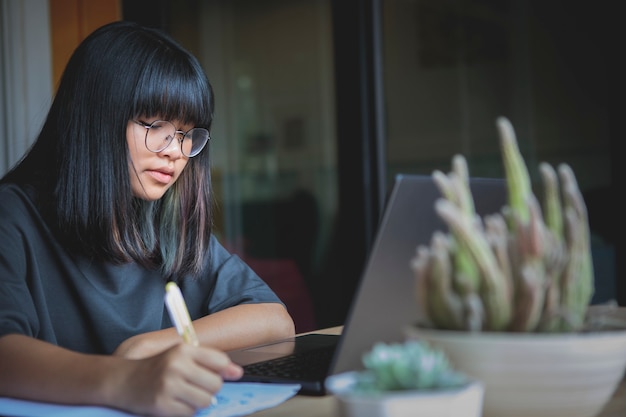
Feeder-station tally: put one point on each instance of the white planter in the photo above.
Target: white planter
(458, 402)
(538, 375)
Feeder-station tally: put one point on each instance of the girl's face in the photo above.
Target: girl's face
(152, 173)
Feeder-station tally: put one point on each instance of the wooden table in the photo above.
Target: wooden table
(617, 406)
(326, 406)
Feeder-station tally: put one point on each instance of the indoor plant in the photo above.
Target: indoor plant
(410, 379)
(507, 296)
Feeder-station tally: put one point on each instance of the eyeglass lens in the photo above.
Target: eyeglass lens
(161, 133)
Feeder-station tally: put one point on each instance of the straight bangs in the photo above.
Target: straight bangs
(174, 88)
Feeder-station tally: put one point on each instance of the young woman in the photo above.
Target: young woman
(113, 201)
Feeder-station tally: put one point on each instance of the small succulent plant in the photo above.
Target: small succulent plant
(527, 268)
(412, 365)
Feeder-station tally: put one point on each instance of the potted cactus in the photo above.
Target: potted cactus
(409, 379)
(507, 295)
(518, 270)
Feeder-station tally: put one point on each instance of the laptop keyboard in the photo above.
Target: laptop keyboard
(310, 364)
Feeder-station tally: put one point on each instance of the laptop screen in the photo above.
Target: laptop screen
(385, 302)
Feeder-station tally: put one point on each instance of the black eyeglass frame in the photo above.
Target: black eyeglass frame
(184, 135)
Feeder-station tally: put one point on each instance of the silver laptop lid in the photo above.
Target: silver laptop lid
(384, 303)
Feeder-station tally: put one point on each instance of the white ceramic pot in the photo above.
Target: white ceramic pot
(538, 375)
(458, 402)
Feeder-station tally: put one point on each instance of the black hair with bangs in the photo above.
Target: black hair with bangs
(80, 163)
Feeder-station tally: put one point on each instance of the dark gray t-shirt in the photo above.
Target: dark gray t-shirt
(93, 306)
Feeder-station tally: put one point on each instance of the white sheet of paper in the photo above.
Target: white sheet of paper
(234, 399)
(242, 398)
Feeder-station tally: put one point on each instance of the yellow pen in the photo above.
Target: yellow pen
(179, 314)
(180, 317)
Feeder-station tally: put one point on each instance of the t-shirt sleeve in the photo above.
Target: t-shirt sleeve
(234, 282)
(17, 309)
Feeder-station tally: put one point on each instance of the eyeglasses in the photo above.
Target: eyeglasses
(160, 133)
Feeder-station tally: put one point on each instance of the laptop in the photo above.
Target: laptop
(384, 303)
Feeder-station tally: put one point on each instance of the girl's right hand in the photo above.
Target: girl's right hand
(175, 382)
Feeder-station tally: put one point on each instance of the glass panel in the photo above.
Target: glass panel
(452, 67)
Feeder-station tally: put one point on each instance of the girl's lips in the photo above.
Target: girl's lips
(161, 176)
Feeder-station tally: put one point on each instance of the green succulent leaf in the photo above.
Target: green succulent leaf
(407, 366)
